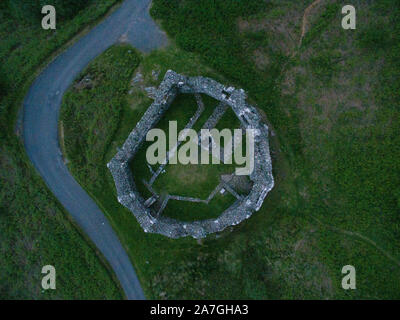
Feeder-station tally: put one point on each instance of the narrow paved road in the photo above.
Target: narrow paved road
(41, 111)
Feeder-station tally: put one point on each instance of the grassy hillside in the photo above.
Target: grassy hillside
(90, 121)
(34, 229)
(331, 102)
(330, 97)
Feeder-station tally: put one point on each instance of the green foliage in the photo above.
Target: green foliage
(212, 33)
(343, 162)
(376, 36)
(28, 47)
(331, 12)
(335, 158)
(110, 77)
(190, 211)
(3, 84)
(35, 232)
(34, 229)
(324, 65)
(30, 10)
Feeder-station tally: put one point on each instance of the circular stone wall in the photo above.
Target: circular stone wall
(249, 117)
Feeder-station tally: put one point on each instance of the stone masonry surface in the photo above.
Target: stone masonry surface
(128, 195)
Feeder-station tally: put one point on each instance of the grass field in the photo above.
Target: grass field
(335, 123)
(330, 99)
(34, 229)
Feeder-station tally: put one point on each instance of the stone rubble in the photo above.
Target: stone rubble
(155, 74)
(85, 83)
(151, 92)
(137, 79)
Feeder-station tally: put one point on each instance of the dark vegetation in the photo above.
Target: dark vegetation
(342, 153)
(34, 229)
(86, 144)
(332, 105)
(87, 127)
(190, 211)
(29, 11)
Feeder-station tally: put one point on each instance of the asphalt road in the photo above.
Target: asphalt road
(40, 127)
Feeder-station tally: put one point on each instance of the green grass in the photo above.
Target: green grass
(87, 144)
(91, 171)
(209, 106)
(191, 211)
(335, 131)
(335, 155)
(181, 110)
(191, 180)
(34, 228)
(228, 120)
(28, 47)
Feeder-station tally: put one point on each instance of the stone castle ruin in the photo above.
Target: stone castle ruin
(261, 178)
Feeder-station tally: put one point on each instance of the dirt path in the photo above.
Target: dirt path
(307, 13)
(360, 236)
(305, 20)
